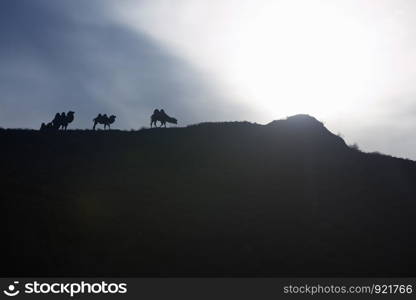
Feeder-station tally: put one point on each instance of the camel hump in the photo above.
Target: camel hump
(163, 114)
(156, 113)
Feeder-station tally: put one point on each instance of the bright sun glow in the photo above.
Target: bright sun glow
(319, 57)
(293, 61)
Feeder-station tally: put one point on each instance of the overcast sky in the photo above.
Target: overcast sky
(349, 63)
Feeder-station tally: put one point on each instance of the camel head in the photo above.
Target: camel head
(111, 119)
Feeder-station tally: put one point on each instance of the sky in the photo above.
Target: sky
(349, 63)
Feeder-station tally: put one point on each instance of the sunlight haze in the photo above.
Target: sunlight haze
(345, 62)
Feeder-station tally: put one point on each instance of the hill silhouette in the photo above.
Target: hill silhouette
(215, 199)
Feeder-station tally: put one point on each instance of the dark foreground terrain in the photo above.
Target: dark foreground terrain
(284, 199)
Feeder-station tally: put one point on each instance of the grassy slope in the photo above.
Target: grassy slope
(286, 199)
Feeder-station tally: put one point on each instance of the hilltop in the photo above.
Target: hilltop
(215, 199)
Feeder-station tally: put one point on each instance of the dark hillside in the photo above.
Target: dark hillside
(215, 199)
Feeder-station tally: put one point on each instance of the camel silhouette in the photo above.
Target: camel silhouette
(65, 120)
(162, 117)
(104, 119)
(59, 121)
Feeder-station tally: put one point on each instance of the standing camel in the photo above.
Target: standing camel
(104, 119)
(162, 117)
